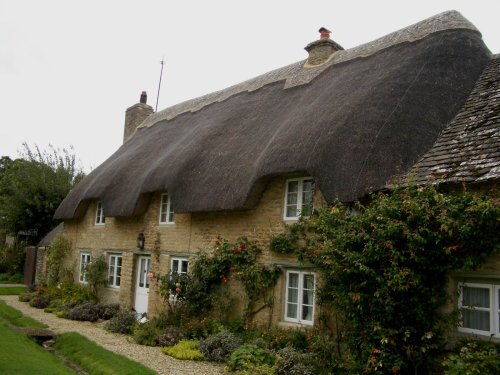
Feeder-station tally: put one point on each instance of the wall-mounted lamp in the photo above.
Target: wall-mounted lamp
(141, 239)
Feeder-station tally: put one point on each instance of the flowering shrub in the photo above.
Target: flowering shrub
(220, 346)
(387, 262)
(124, 321)
(293, 362)
(247, 357)
(474, 358)
(92, 312)
(210, 273)
(171, 336)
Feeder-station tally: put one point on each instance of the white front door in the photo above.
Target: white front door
(142, 284)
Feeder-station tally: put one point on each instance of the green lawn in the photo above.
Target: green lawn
(95, 359)
(12, 291)
(16, 318)
(21, 356)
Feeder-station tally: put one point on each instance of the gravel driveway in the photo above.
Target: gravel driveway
(117, 343)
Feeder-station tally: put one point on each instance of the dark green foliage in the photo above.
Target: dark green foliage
(293, 362)
(474, 357)
(40, 301)
(31, 189)
(58, 249)
(248, 356)
(387, 262)
(96, 275)
(210, 276)
(148, 333)
(124, 321)
(12, 261)
(220, 346)
(11, 278)
(171, 336)
(92, 312)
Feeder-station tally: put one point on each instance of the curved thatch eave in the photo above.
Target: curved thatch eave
(354, 126)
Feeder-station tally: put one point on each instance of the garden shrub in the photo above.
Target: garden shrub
(124, 321)
(474, 358)
(203, 328)
(92, 312)
(249, 356)
(26, 296)
(40, 301)
(185, 349)
(96, 273)
(148, 333)
(171, 336)
(12, 259)
(55, 255)
(220, 346)
(293, 362)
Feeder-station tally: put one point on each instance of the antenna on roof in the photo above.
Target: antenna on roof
(159, 84)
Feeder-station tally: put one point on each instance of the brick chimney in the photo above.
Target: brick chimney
(321, 50)
(135, 115)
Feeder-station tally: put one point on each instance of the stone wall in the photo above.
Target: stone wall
(190, 233)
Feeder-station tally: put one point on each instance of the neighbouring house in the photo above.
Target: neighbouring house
(247, 160)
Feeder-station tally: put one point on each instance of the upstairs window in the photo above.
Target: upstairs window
(99, 215)
(114, 270)
(299, 298)
(479, 306)
(298, 198)
(84, 261)
(167, 214)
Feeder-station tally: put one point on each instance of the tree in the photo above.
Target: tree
(32, 187)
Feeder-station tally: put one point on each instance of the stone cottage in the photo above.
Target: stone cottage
(249, 159)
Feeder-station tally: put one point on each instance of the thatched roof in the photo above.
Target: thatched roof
(367, 114)
(49, 237)
(468, 150)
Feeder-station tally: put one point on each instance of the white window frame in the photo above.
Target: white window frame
(85, 258)
(100, 219)
(180, 262)
(114, 270)
(300, 302)
(494, 309)
(299, 197)
(166, 210)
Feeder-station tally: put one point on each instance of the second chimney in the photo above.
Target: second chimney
(135, 115)
(321, 50)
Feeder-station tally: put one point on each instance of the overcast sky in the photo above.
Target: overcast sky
(69, 69)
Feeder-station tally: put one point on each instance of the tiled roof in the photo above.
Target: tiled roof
(468, 150)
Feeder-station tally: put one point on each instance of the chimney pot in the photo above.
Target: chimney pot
(322, 49)
(144, 97)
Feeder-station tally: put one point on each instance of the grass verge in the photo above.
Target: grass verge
(12, 291)
(94, 359)
(16, 318)
(22, 356)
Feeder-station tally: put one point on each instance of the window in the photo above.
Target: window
(114, 270)
(166, 210)
(479, 306)
(298, 198)
(179, 266)
(99, 215)
(299, 299)
(84, 261)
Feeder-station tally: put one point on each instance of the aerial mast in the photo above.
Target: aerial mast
(162, 62)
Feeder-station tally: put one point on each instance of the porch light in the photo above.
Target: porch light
(140, 241)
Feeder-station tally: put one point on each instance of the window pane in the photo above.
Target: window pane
(308, 282)
(175, 266)
(110, 280)
(307, 297)
(293, 295)
(291, 211)
(293, 187)
(291, 311)
(184, 266)
(293, 280)
(307, 313)
(118, 280)
(291, 199)
(308, 185)
(476, 297)
(476, 319)
(142, 272)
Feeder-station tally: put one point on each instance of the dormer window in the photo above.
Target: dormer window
(167, 215)
(99, 215)
(298, 198)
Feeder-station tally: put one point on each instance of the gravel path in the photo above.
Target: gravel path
(117, 343)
